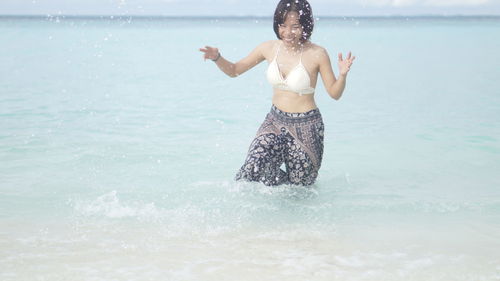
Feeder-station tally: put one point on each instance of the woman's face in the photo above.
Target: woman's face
(290, 30)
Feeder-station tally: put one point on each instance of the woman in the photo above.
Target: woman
(292, 132)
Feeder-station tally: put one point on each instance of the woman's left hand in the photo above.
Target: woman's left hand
(345, 65)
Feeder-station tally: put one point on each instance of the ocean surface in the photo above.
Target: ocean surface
(119, 145)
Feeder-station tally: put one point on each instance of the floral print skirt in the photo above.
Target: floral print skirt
(292, 139)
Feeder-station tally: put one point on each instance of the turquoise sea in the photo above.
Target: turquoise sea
(119, 144)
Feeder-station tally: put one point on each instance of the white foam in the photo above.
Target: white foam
(109, 205)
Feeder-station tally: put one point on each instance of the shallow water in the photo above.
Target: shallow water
(119, 146)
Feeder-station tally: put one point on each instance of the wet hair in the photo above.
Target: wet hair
(303, 8)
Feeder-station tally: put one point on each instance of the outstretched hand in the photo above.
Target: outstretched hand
(345, 65)
(209, 52)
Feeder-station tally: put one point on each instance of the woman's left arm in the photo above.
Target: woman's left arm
(334, 87)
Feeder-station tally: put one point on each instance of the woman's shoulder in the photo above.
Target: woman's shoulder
(316, 52)
(267, 48)
(268, 44)
(315, 48)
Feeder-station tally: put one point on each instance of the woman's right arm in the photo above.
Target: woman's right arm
(235, 69)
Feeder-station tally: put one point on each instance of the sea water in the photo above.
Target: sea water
(119, 145)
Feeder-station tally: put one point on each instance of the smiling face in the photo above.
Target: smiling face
(290, 30)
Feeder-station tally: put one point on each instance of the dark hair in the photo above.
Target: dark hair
(303, 8)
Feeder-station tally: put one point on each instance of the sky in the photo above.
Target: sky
(247, 7)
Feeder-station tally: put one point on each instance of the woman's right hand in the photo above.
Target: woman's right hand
(210, 52)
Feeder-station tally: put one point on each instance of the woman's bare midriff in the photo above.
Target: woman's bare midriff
(293, 102)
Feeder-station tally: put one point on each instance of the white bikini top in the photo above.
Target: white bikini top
(297, 80)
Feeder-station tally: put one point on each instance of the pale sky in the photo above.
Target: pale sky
(247, 8)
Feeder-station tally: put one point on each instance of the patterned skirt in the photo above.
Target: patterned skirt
(293, 139)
